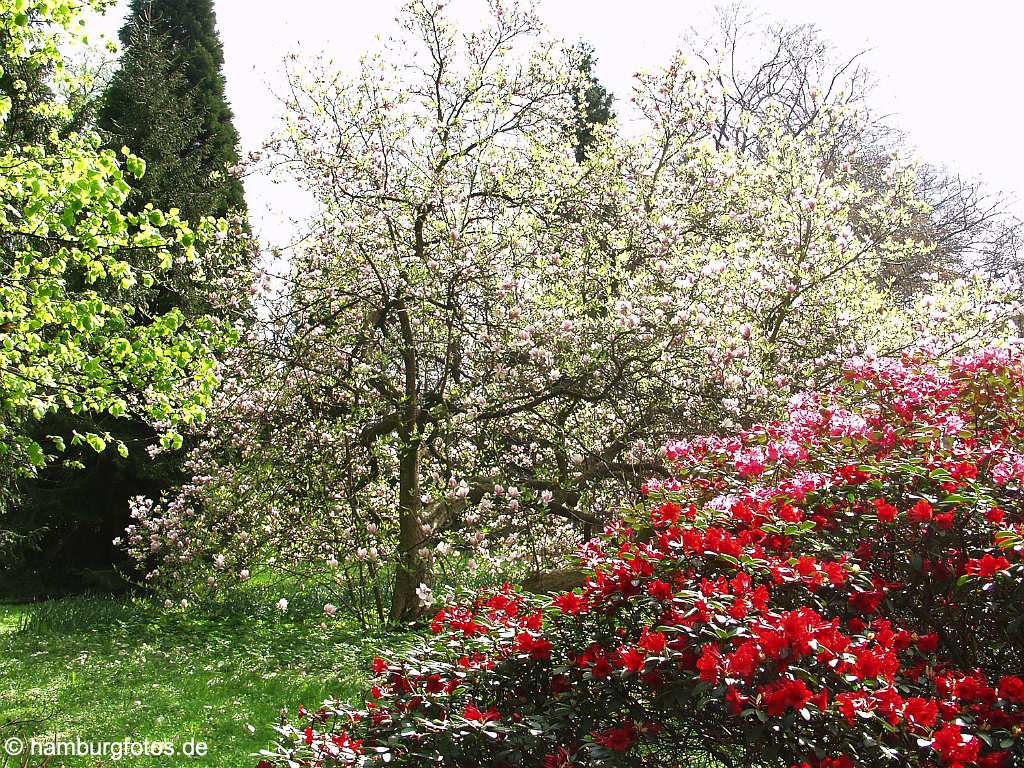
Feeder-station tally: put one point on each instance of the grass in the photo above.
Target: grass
(102, 669)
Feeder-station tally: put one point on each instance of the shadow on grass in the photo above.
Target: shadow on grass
(103, 669)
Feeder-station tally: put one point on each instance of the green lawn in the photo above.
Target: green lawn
(106, 670)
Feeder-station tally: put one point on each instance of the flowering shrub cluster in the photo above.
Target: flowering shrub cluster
(841, 587)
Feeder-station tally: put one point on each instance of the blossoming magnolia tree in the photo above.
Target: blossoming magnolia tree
(483, 342)
(841, 587)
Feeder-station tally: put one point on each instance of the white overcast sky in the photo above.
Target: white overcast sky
(950, 73)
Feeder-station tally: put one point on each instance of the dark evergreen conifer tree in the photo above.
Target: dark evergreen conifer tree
(167, 103)
(596, 103)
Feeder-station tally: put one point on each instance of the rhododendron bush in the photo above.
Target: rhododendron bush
(841, 587)
(477, 352)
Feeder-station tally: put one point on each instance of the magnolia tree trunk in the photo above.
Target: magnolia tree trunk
(410, 569)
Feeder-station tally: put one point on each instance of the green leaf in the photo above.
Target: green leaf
(35, 454)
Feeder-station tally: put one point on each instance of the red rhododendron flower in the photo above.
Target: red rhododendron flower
(659, 590)
(538, 647)
(632, 659)
(788, 694)
(886, 512)
(654, 643)
(921, 512)
(954, 747)
(1011, 688)
(987, 566)
(920, 712)
(471, 712)
(570, 603)
(710, 663)
(617, 739)
(744, 661)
